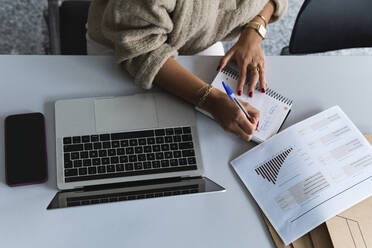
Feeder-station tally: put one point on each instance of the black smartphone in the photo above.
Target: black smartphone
(25, 149)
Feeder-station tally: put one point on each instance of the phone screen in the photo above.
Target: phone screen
(25, 149)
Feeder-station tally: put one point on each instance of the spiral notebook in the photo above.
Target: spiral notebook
(273, 106)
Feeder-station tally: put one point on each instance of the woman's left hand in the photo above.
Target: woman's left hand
(248, 55)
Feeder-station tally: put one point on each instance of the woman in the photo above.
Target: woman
(146, 35)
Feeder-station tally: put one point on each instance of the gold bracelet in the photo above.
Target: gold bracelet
(263, 18)
(204, 96)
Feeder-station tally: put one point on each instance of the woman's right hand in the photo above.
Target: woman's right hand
(230, 116)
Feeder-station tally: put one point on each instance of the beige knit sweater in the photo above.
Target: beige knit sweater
(145, 33)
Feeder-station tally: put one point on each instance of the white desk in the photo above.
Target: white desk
(229, 219)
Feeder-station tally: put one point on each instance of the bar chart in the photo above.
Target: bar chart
(270, 169)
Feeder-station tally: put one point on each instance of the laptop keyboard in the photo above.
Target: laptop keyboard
(124, 154)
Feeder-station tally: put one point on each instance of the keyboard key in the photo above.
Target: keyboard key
(159, 155)
(138, 166)
(142, 142)
(178, 130)
(94, 138)
(133, 142)
(165, 147)
(96, 161)
(131, 135)
(87, 162)
(67, 140)
(168, 139)
(141, 157)
(159, 140)
(129, 166)
(185, 145)
(114, 160)
(71, 172)
(124, 143)
(88, 146)
(174, 146)
(110, 168)
(115, 144)
(120, 151)
(138, 149)
(177, 138)
(188, 153)
(106, 144)
(105, 160)
(97, 145)
(66, 156)
(133, 158)
(104, 137)
(67, 164)
(101, 169)
(129, 150)
(84, 155)
(111, 152)
(177, 154)
(92, 170)
(93, 154)
(85, 139)
(164, 163)
(159, 132)
(182, 161)
(155, 164)
(73, 148)
(168, 155)
(156, 148)
(191, 160)
(150, 156)
(119, 167)
(147, 149)
(150, 141)
(186, 130)
(102, 153)
(186, 137)
(76, 139)
(173, 162)
(123, 159)
(83, 171)
(147, 165)
(169, 131)
(75, 155)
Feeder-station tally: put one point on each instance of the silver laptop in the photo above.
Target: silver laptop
(109, 140)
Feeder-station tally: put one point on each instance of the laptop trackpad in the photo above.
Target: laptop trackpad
(125, 113)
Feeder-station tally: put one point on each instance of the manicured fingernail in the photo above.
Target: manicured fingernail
(239, 92)
(263, 90)
(258, 122)
(219, 68)
(250, 94)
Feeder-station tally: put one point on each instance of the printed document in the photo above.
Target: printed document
(308, 173)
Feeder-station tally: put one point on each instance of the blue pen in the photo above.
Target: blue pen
(233, 97)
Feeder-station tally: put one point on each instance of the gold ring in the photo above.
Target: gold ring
(254, 68)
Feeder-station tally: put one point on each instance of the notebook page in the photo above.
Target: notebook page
(273, 111)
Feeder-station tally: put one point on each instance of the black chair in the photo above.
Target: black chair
(327, 25)
(66, 22)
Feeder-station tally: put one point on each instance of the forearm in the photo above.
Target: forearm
(266, 12)
(177, 80)
(249, 35)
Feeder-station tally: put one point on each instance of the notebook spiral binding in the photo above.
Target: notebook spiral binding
(270, 92)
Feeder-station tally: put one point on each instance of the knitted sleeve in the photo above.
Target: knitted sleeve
(139, 31)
